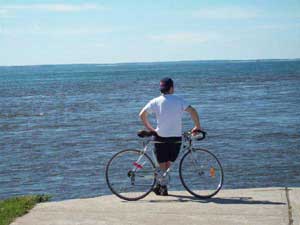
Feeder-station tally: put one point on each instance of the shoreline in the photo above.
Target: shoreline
(277, 205)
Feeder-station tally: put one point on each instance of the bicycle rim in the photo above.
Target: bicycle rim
(130, 174)
(201, 173)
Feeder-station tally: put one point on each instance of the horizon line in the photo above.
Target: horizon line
(152, 62)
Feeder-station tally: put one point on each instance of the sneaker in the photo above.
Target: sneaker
(157, 189)
(164, 191)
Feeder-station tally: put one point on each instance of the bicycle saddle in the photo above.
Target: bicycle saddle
(145, 133)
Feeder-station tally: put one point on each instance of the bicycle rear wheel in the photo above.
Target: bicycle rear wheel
(201, 173)
(130, 174)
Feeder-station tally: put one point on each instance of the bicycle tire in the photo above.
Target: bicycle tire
(206, 174)
(125, 173)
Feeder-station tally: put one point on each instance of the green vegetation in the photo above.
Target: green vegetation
(14, 207)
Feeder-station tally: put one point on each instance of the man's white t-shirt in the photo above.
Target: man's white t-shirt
(168, 110)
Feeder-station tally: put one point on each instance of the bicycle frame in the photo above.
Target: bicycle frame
(186, 146)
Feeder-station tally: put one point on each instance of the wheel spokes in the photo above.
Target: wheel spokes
(201, 173)
(130, 174)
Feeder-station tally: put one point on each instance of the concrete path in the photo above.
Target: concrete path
(269, 206)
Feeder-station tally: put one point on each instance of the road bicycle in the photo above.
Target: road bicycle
(131, 174)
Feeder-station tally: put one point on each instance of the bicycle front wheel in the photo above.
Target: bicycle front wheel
(130, 174)
(201, 173)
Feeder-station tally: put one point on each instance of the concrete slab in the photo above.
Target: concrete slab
(294, 198)
(268, 206)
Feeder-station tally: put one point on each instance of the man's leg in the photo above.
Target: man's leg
(163, 158)
(165, 165)
(163, 179)
(173, 151)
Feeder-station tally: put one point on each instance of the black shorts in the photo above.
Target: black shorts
(167, 151)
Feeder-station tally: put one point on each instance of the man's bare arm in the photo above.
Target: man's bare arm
(195, 117)
(144, 117)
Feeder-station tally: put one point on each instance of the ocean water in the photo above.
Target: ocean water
(60, 124)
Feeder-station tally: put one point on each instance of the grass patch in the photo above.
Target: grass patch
(12, 208)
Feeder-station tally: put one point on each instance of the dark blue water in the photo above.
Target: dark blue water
(60, 124)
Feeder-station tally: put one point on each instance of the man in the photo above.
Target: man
(168, 109)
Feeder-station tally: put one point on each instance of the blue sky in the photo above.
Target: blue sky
(64, 32)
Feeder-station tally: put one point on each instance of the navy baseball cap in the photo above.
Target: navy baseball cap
(165, 84)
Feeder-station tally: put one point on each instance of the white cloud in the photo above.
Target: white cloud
(274, 27)
(232, 12)
(4, 14)
(37, 30)
(54, 7)
(184, 37)
(100, 45)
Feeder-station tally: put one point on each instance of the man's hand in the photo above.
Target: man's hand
(144, 117)
(196, 129)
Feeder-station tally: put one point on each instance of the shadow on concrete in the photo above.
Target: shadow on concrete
(233, 200)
